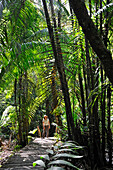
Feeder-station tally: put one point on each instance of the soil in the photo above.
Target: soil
(6, 150)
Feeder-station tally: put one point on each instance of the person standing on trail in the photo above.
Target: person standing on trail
(46, 126)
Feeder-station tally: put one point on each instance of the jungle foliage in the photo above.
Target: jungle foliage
(56, 57)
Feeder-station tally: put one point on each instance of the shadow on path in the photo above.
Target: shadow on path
(26, 156)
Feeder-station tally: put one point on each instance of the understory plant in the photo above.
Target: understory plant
(63, 156)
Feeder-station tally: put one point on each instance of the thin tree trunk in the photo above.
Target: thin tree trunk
(89, 100)
(53, 88)
(60, 67)
(103, 126)
(86, 88)
(103, 117)
(82, 98)
(96, 85)
(27, 118)
(23, 113)
(95, 128)
(20, 117)
(54, 94)
(15, 92)
(73, 95)
(59, 17)
(109, 134)
(15, 96)
(72, 21)
(98, 155)
(24, 109)
(102, 98)
(92, 35)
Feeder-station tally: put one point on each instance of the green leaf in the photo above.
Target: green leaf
(66, 150)
(62, 162)
(46, 157)
(64, 8)
(2, 41)
(70, 145)
(55, 147)
(104, 8)
(70, 141)
(55, 168)
(33, 131)
(50, 151)
(40, 163)
(5, 116)
(67, 155)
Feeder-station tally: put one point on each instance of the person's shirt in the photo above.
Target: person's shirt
(45, 121)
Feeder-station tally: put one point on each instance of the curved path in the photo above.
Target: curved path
(23, 160)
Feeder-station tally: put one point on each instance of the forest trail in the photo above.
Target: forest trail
(24, 158)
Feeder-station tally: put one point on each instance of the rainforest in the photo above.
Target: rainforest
(56, 59)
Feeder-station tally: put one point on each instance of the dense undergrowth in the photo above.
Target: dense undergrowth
(63, 155)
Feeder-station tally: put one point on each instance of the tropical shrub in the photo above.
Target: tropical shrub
(62, 156)
(8, 123)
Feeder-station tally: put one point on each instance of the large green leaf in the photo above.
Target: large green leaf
(70, 141)
(40, 163)
(50, 151)
(5, 116)
(46, 157)
(55, 168)
(71, 145)
(64, 8)
(67, 150)
(67, 155)
(33, 131)
(104, 8)
(62, 162)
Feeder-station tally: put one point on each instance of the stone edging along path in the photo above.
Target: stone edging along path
(26, 156)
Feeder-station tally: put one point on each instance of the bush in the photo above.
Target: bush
(60, 157)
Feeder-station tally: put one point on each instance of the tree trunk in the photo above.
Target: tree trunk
(82, 98)
(89, 101)
(24, 109)
(15, 92)
(59, 16)
(98, 155)
(53, 88)
(54, 94)
(27, 117)
(60, 66)
(92, 35)
(20, 116)
(109, 134)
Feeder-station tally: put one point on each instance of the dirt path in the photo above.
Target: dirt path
(25, 157)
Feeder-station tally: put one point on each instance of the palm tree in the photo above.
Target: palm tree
(46, 58)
